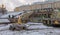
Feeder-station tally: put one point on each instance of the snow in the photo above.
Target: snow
(18, 16)
(4, 27)
(34, 23)
(33, 32)
(53, 31)
(4, 20)
(12, 13)
(37, 26)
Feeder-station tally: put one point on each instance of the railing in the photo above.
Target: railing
(47, 18)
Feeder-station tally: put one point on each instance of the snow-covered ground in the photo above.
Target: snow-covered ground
(11, 13)
(37, 26)
(44, 30)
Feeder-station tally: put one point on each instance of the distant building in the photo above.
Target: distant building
(53, 0)
(39, 5)
(22, 8)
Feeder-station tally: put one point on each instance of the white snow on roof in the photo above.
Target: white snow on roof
(18, 16)
(4, 20)
(11, 13)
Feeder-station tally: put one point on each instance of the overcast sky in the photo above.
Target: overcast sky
(11, 4)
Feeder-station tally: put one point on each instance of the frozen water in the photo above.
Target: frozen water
(4, 20)
(35, 23)
(4, 27)
(35, 32)
(53, 31)
(37, 26)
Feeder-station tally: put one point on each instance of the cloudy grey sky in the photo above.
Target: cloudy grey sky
(11, 4)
